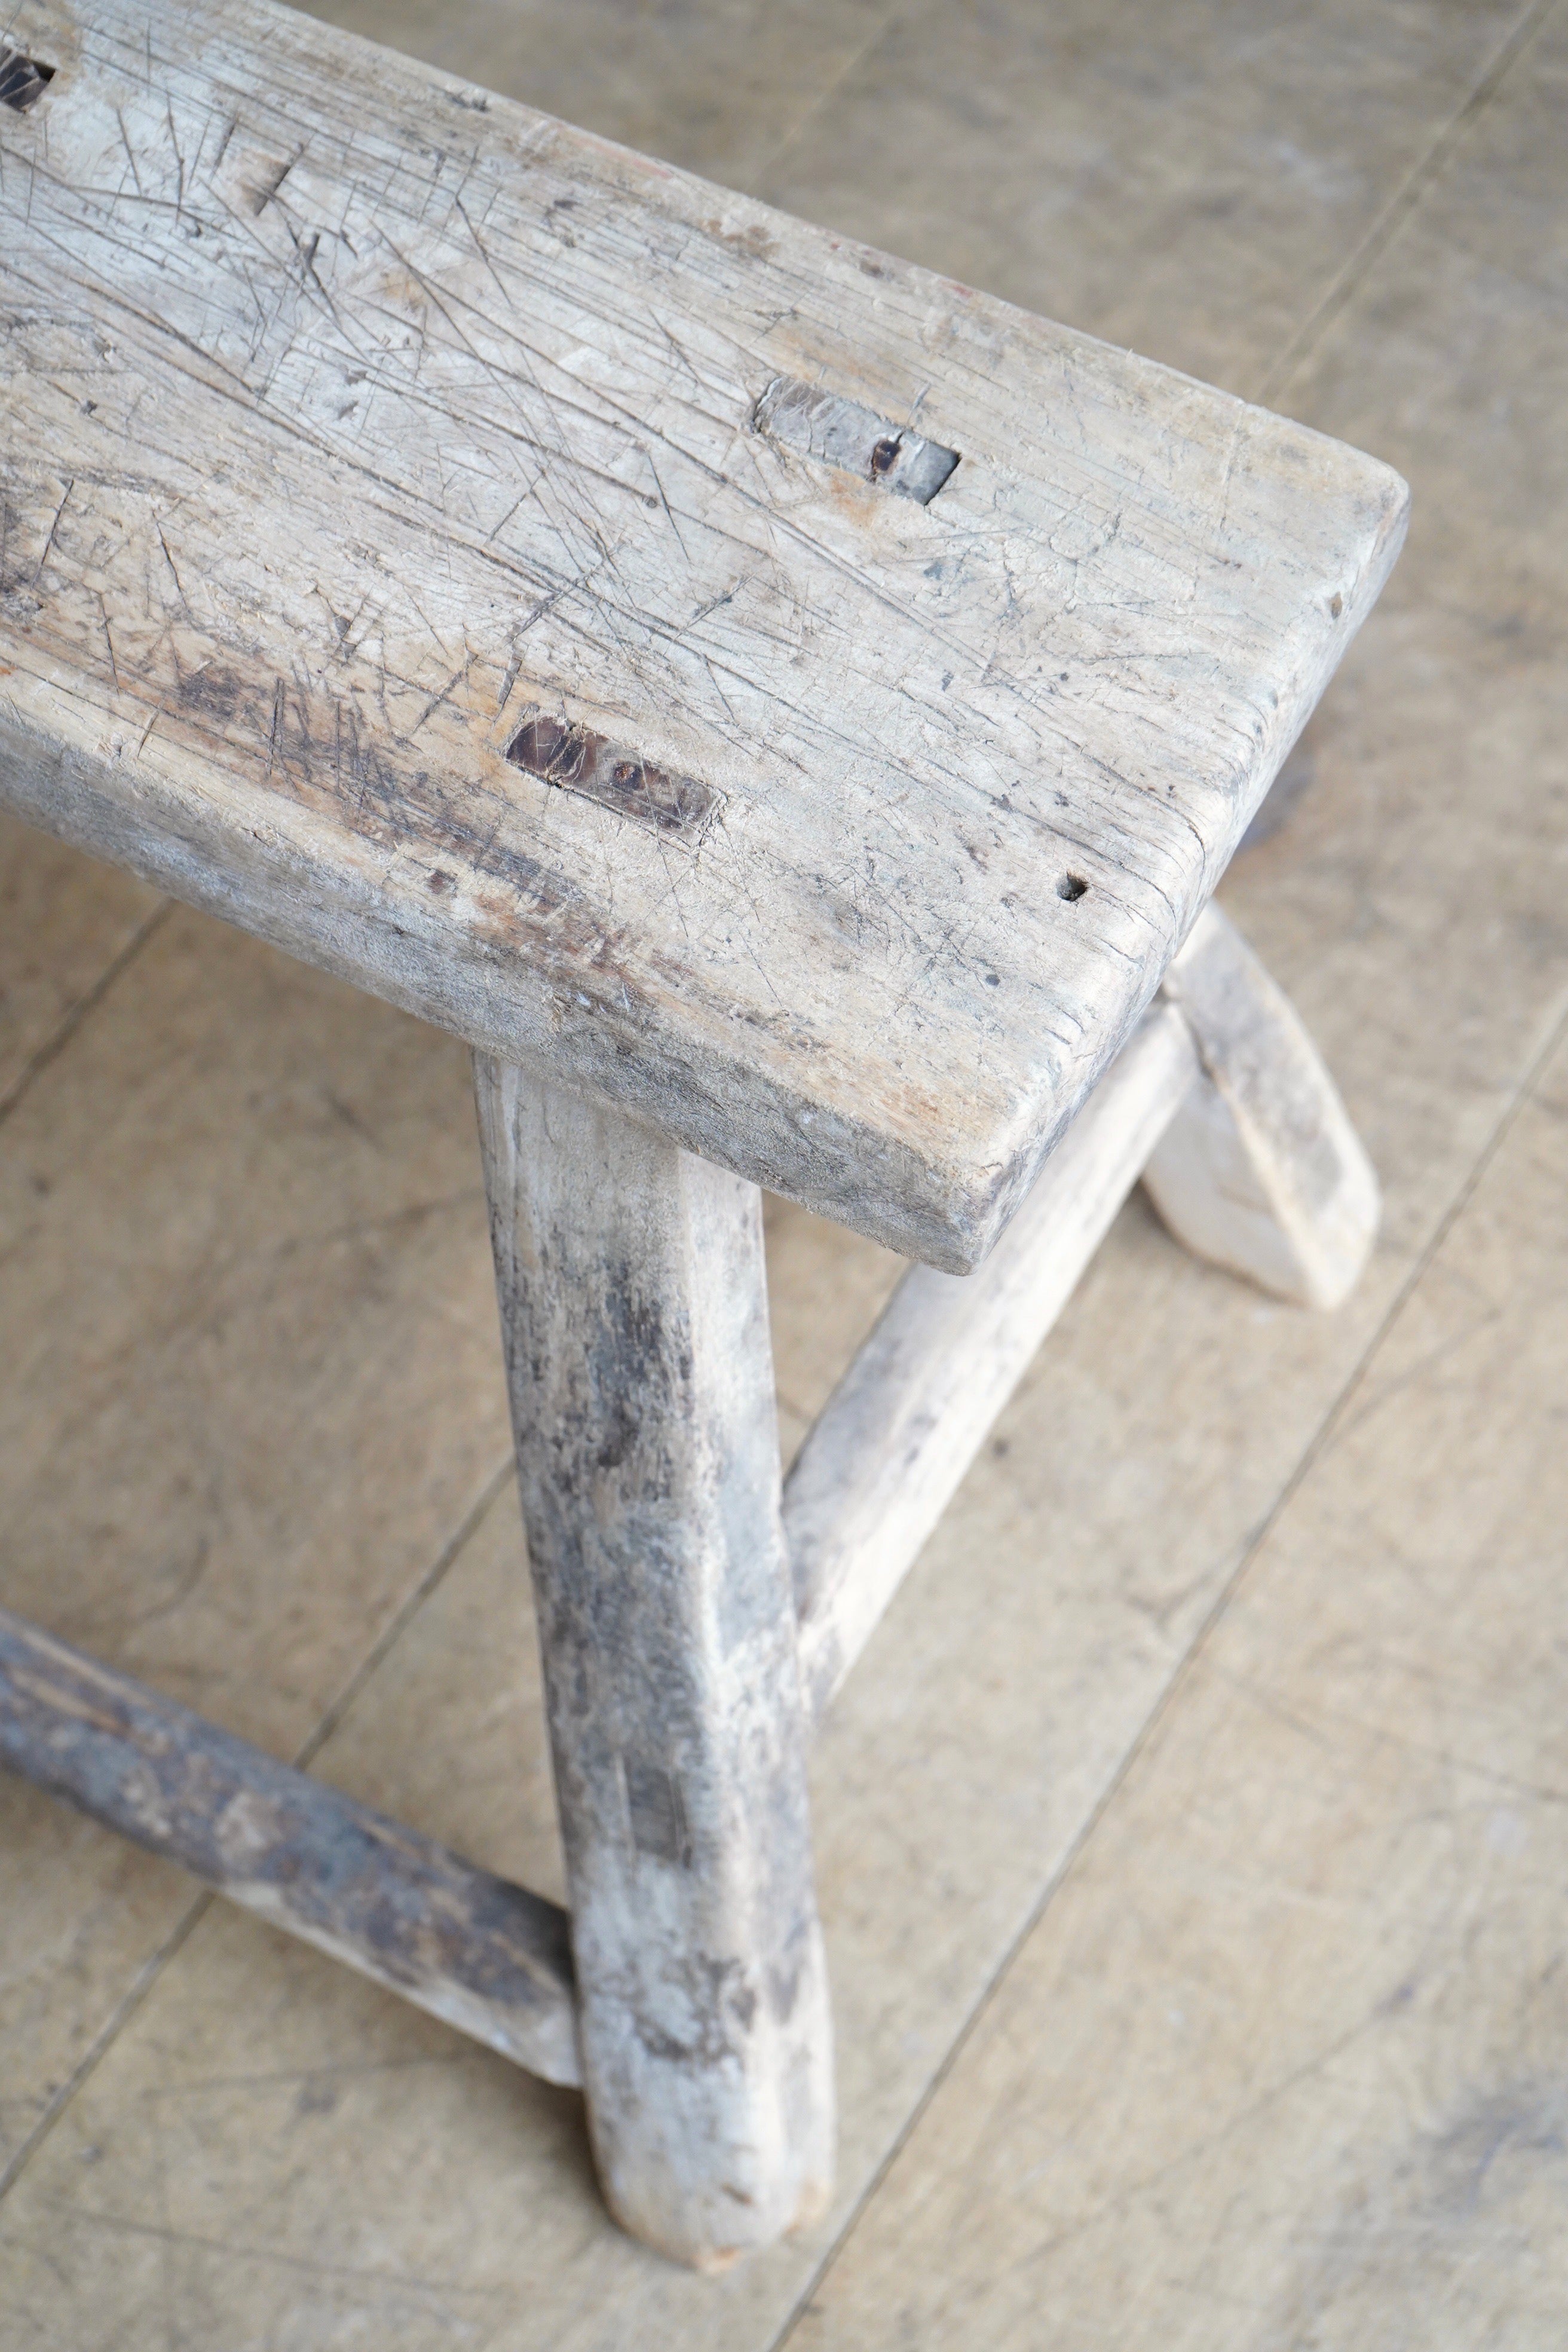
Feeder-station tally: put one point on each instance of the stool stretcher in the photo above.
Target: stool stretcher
(485, 1957)
(891, 1446)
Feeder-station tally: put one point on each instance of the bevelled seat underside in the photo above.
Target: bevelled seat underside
(666, 643)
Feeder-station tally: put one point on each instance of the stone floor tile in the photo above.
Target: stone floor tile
(450, 1733)
(1467, 315)
(717, 86)
(1188, 180)
(1282, 2064)
(82, 1914)
(65, 922)
(1008, 1684)
(826, 1289)
(254, 1379)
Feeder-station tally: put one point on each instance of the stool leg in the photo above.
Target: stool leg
(634, 1321)
(1260, 1170)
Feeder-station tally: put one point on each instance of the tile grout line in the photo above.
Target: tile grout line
(153, 1968)
(71, 1020)
(814, 107)
(404, 1615)
(1401, 204)
(1317, 1445)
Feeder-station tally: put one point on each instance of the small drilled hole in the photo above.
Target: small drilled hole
(1071, 885)
(22, 81)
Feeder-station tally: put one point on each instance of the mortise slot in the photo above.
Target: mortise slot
(655, 1812)
(578, 761)
(839, 432)
(22, 81)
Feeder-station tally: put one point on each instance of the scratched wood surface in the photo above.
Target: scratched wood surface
(633, 1314)
(913, 1410)
(529, 581)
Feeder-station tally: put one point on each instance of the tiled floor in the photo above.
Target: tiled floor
(1192, 1840)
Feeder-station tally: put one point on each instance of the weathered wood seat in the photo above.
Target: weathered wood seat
(786, 711)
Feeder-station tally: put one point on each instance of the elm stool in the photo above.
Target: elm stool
(788, 713)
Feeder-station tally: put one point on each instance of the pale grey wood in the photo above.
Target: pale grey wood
(485, 1956)
(1261, 1170)
(894, 1440)
(635, 1315)
(350, 413)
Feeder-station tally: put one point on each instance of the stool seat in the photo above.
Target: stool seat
(681, 651)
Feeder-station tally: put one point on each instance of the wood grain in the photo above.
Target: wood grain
(351, 411)
(900, 1432)
(635, 1316)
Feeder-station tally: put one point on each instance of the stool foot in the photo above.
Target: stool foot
(1260, 1171)
(635, 1317)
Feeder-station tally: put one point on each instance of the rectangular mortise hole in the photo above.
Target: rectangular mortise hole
(842, 433)
(577, 760)
(22, 81)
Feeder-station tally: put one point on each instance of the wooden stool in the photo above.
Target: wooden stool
(789, 713)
